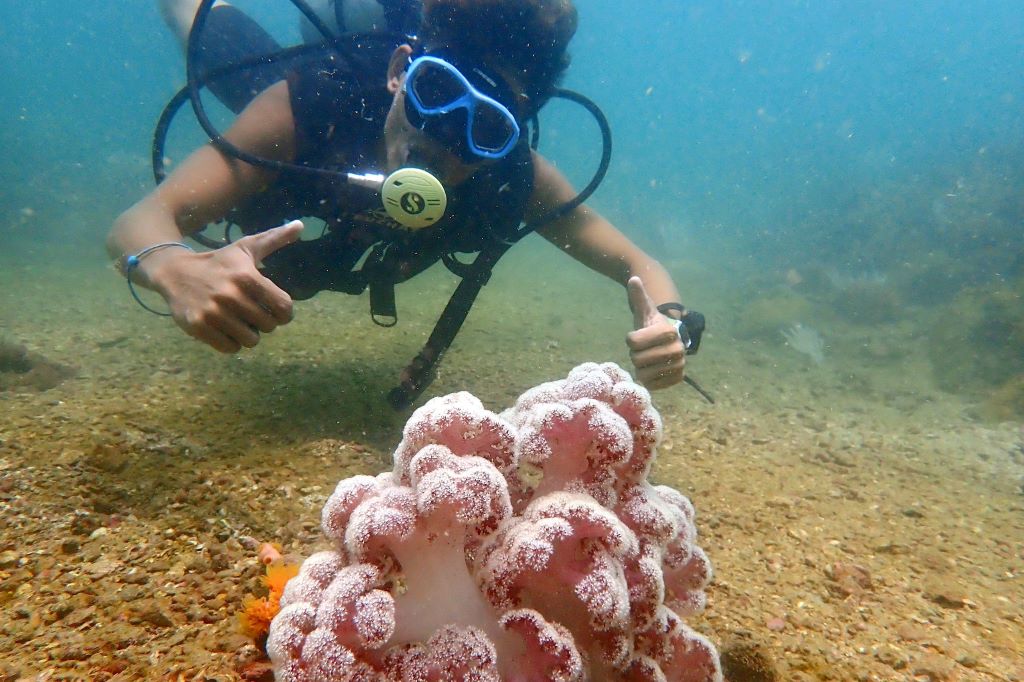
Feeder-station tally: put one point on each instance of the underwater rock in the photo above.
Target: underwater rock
(763, 317)
(848, 579)
(812, 281)
(978, 346)
(14, 358)
(868, 302)
(933, 278)
(945, 593)
(21, 369)
(1006, 403)
(747, 660)
(933, 667)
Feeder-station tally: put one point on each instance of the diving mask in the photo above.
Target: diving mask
(441, 101)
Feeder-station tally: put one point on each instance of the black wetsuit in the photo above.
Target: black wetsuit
(339, 103)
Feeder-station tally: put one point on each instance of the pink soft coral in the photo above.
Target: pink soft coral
(521, 546)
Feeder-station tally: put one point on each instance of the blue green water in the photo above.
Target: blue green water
(760, 122)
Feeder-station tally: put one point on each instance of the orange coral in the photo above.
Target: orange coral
(257, 612)
(278, 575)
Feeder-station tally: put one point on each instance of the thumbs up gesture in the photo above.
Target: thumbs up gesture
(655, 348)
(220, 297)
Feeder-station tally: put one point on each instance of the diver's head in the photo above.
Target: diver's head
(480, 68)
(525, 41)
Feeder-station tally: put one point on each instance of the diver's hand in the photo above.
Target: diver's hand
(220, 297)
(655, 348)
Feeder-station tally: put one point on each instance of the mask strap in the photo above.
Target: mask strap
(339, 15)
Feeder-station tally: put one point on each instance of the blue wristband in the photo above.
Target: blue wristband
(131, 262)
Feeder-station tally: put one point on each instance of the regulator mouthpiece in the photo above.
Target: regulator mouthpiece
(412, 197)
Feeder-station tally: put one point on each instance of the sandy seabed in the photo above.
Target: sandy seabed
(862, 525)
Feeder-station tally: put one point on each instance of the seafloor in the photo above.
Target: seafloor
(862, 524)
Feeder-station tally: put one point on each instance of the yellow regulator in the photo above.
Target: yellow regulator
(413, 197)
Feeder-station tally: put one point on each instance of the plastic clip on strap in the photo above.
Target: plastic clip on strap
(132, 262)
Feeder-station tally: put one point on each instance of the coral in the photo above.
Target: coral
(268, 553)
(277, 577)
(807, 341)
(522, 546)
(256, 615)
(257, 612)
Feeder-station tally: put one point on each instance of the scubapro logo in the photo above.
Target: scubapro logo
(413, 203)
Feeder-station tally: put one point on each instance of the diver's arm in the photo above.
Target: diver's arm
(592, 240)
(208, 183)
(655, 347)
(219, 296)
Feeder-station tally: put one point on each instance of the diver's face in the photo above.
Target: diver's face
(408, 146)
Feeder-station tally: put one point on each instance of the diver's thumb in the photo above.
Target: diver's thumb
(261, 245)
(645, 312)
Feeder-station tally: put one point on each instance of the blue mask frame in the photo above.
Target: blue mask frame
(429, 118)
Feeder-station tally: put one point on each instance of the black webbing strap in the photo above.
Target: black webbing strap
(383, 310)
(421, 371)
(381, 272)
(339, 16)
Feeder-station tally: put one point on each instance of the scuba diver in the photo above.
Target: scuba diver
(428, 113)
